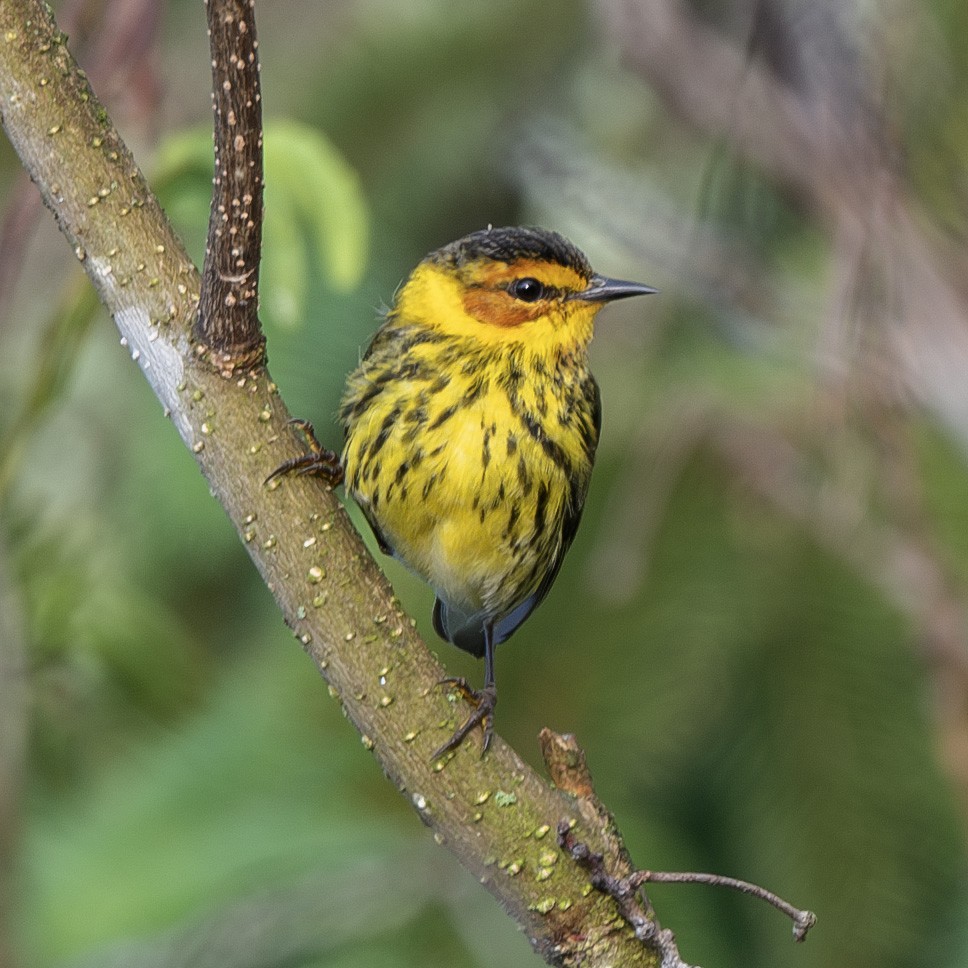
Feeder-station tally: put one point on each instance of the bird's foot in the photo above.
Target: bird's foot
(483, 703)
(319, 461)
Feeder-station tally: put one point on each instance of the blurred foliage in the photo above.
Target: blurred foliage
(315, 222)
(755, 696)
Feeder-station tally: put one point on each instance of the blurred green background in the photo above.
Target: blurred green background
(759, 636)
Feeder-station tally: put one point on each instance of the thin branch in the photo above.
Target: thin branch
(228, 320)
(642, 917)
(802, 920)
(611, 871)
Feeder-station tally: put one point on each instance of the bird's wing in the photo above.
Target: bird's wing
(507, 624)
(466, 629)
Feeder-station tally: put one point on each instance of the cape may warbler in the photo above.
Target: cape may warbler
(471, 427)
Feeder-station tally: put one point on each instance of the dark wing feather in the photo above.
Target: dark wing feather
(381, 541)
(509, 623)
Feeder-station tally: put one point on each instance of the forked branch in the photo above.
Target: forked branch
(612, 872)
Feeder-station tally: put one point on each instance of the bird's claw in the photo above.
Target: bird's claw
(483, 703)
(319, 461)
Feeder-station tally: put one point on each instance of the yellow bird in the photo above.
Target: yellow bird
(471, 427)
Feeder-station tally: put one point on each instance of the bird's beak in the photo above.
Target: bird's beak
(601, 289)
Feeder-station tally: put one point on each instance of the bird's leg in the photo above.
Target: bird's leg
(483, 701)
(318, 461)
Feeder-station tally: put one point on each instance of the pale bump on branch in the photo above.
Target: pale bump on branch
(227, 329)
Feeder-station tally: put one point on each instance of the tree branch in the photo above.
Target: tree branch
(614, 874)
(228, 313)
(494, 813)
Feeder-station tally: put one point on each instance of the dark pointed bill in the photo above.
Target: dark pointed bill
(601, 289)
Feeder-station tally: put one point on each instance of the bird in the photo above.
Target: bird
(471, 425)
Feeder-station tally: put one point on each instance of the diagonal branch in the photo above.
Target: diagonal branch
(495, 813)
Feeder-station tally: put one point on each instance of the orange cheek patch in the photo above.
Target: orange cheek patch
(497, 308)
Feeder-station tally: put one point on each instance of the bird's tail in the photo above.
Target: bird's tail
(464, 629)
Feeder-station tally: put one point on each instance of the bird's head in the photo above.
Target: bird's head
(524, 285)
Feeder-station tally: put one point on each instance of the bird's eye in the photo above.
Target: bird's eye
(527, 290)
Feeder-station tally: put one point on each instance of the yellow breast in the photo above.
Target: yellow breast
(469, 462)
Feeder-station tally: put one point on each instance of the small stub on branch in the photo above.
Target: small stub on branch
(566, 763)
(233, 359)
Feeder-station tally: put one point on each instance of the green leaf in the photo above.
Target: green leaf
(325, 191)
(316, 222)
